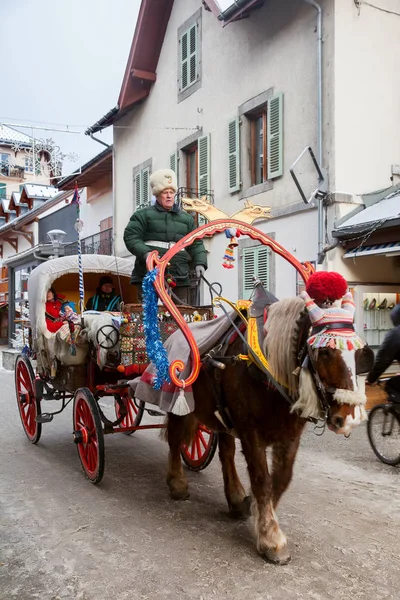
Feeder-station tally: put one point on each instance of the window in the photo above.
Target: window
(141, 187)
(29, 164)
(266, 141)
(255, 264)
(198, 166)
(3, 189)
(5, 164)
(189, 56)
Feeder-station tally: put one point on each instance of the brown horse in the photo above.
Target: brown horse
(263, 418)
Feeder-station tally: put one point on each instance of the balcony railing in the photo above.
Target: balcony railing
(100, 243)
(9, 170)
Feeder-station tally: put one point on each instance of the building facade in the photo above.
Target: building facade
(231, 108)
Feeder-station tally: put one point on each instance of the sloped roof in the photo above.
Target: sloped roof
(97, 167)
(384, 213)
(34, 190)
(10, 136)
(151, 25)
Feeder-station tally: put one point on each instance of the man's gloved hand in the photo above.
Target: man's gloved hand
(199, 270)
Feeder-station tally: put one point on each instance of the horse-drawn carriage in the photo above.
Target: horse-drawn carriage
(277, 365)
(106, 350)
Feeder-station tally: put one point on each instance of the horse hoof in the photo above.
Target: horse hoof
(277, 557)
(241, 510)
(178, 490)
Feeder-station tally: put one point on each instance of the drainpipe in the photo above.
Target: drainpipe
(97, 140)
(319, 122)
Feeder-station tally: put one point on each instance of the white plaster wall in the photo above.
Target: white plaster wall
(365, 269)
(275, 48)
(95, 211)
(367, 95)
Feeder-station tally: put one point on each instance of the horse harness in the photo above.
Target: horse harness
(217, 359)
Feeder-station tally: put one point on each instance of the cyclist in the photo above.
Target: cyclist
(388, 352)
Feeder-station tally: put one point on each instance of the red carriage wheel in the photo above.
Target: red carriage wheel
(134, 412)
(198, 455)
(88, 434)
(28, 404)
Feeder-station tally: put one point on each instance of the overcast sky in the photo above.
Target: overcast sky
(62, 63)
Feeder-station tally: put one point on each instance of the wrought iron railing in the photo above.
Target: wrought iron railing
(100, 243)
(9, 170)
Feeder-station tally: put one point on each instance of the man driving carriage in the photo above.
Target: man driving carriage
(159, 226)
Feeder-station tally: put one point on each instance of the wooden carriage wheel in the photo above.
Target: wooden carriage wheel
(198, 455)
(28, 404)
(134, 413)
(88, 434)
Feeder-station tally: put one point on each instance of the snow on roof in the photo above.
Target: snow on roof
(386, 209)
(40, 191)
(12, 135)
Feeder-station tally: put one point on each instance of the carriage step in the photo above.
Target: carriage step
(44, 418)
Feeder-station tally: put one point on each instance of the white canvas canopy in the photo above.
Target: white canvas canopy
(43, 277)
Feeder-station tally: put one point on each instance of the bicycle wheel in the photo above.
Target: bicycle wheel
(384, 433)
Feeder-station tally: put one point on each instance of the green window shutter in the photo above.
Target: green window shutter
(189, 70)
(275, 136)
(3, 188)
(174, 164)
(204, 164)
(145, 191)
(255, 264)
(234, 155)
(136, 190)
(192, 54)
(184, 61)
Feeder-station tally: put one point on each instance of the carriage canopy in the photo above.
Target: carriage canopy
(63, 274)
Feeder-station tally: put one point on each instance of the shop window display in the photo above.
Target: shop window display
(376, 316)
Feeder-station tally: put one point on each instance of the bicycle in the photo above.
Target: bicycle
(383, 428)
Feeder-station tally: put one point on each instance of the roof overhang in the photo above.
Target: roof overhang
(382, 213)
(100, 166)
(388, 249)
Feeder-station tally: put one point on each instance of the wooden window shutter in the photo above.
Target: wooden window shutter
(145, 191)
(192, 54)
(275, 136)
(204, 165)
(255, 264)
(136, 190)
(174, 164)
(234, 155)
(184, 61)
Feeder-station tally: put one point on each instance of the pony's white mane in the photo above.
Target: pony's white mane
(281, 329)
(280, 346)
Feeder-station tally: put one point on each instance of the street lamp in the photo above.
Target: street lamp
(56, 237)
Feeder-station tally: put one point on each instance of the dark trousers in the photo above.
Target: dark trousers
(392, 388)
(182, 293)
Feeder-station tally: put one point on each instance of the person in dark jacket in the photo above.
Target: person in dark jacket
(106, 298)
(388, 352)
(157, 228)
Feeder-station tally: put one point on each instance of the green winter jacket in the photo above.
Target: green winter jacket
(158, 224)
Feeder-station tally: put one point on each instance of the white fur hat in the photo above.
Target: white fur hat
(161, 180)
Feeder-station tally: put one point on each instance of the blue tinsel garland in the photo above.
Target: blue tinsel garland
(154, 346)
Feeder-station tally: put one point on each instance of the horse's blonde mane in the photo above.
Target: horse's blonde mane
(282, 331)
